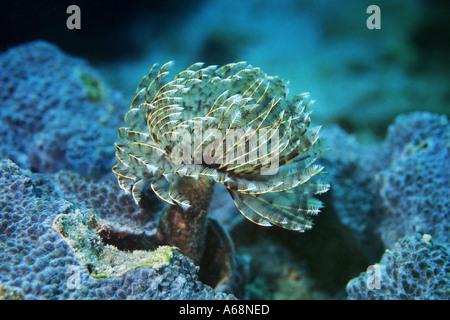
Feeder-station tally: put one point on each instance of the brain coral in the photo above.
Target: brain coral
(416, 269)
(36, 263)
(55, 113)
(227, 119)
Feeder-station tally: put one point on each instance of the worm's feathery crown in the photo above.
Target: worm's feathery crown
(216, 101)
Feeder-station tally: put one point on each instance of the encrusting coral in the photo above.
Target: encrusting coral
(56, 112)
(233, 125)
(416, 269)
(38, 262)
(81, 231)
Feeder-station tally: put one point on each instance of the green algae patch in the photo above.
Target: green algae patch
(80, 230)
(95, 89)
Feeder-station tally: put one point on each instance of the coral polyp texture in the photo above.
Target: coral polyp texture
(233, 125)
(417, 268)
(413, 188)
(49, 250)
(55, 111)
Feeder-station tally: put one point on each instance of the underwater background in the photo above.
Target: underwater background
(382, 97)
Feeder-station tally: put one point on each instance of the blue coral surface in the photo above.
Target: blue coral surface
(382, 97)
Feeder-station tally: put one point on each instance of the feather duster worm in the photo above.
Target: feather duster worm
(232, 125)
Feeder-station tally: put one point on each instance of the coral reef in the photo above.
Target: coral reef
(55, 111)
(58, 122)
(402, 187)
(417, 268)
(395, 188)
(44, 88)
(38, 263)
(413, 190)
